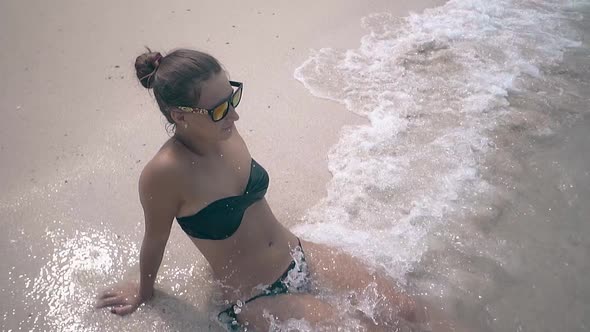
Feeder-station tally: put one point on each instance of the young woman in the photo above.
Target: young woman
(205, 177)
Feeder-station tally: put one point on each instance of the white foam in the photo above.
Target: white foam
(433, 85)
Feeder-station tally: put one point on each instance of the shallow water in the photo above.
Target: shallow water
(470, 185)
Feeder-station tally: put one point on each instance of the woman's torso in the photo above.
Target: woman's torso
(257, 252)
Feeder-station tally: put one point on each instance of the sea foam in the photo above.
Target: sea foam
(434, 87)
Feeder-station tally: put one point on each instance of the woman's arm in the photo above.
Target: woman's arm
(160, 205)
(158, 195)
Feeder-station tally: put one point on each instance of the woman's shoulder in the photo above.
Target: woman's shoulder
(160, 186)
(164, 170)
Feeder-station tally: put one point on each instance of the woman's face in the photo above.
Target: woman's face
(213, 91)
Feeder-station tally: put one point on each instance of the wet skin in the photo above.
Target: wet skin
(206, 161)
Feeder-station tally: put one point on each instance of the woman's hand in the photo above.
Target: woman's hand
(123, 298)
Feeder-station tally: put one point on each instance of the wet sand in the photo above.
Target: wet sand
(78, 129)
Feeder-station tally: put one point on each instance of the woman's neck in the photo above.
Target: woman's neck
(198, 146)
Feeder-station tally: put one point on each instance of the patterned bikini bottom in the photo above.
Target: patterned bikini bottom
(294, 280)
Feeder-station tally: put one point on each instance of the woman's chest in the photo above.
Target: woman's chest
(214, 181)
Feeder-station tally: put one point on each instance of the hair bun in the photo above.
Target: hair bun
(146, 66)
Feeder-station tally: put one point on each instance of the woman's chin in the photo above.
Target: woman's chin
(226, 133)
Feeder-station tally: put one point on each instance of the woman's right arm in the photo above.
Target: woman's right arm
(159, 199)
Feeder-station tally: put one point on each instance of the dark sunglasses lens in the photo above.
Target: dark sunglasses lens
(237, 97)
(220, 111)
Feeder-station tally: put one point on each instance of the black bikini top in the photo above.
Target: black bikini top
(220, 219)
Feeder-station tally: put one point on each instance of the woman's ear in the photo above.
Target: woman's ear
(177, 116)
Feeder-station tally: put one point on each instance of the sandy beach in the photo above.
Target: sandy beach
(447, 148)
(72, 86)
(78, 129)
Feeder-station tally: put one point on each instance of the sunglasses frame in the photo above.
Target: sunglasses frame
(239, 85)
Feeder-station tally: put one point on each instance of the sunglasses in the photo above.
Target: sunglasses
(219, 112)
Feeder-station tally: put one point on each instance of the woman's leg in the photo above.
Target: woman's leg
(284, 307)
(320, 315)
(334, 269)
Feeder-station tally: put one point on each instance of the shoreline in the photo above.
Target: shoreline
(110, 118)
(70, 181)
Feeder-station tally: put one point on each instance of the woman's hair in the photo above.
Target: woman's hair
(175, 78)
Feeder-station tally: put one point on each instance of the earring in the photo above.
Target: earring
(185, 125)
